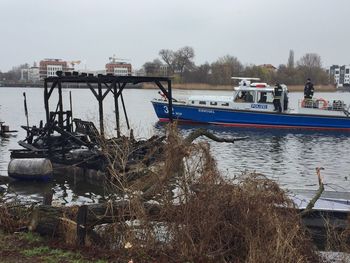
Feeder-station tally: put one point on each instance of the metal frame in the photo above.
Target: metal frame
(111, 83)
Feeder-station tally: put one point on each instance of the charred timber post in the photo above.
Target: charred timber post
(100, 108)
(46, 101)
(124, 109)
(71, 111)
(60, 105)
(116, 108)
(81, 224)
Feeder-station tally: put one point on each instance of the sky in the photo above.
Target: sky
(254, 31)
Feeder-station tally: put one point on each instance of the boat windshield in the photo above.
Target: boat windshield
(245, 96)
(265, 97)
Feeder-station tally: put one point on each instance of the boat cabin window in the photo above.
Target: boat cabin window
(245, 96)
(202, 102)
(224, 104)
(193, 102)
(214, 103)
(265, 97)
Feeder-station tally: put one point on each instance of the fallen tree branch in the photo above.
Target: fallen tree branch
(318, 194)
(202, 132)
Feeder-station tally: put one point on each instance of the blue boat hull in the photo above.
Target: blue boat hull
(230, 117)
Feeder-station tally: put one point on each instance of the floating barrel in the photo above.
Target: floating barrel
(30, 169)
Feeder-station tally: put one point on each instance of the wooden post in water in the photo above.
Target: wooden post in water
(60, 105)
(100, 108)
(46, 101)
(116, 107)
(81, 225)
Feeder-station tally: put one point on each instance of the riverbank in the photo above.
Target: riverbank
(202, 86)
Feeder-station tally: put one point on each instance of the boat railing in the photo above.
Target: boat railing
(320, 103)
(165, 100)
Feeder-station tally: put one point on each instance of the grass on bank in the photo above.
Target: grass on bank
(30, 247)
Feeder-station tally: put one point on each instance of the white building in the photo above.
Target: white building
(340, 75)
(52, 69)
(30, 74)
(118, 71)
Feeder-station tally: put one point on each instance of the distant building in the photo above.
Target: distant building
(340, 75)
(118, 68)
(30, 74)
(164, 70)
(139, 72)
(48, 67)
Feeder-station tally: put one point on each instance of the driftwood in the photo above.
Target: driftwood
(46, 219)
(202, 132)
(176, 168)
(318, 194)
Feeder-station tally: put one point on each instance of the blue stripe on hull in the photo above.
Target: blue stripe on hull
(250, 118)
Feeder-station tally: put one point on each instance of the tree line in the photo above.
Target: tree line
(180, 65)
(14, 74)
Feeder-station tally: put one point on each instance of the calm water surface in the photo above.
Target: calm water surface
(288, 156)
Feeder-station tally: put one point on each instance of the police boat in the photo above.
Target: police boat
(253, 104)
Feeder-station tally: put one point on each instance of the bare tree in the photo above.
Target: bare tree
(224, 68)
(290, 63)
(183, 58)
(310, 60)
(153, 68)
(168, 57)
(310, 66)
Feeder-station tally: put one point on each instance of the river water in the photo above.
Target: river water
(287, 156)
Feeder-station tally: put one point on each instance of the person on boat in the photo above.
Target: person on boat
(248, 97)
(263, 97)
(162, 95)
(241, 96)
(308, 89)
(277, 94)
(285, 100)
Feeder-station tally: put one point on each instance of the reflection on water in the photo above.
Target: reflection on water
(288, 156)
(66, 189)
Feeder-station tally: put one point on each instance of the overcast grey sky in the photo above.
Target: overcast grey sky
(255, 31)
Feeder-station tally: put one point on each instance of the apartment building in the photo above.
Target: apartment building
(49, 66)
(340, 75)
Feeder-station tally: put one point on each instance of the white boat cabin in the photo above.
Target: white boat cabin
(254, 96)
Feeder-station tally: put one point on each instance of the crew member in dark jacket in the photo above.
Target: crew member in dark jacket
(277, 94)
(308, 89)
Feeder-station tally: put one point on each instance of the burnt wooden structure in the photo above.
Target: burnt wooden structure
(74, 142)
(100, 86)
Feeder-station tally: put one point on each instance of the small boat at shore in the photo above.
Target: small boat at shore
(252, 106)
(5, 130)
